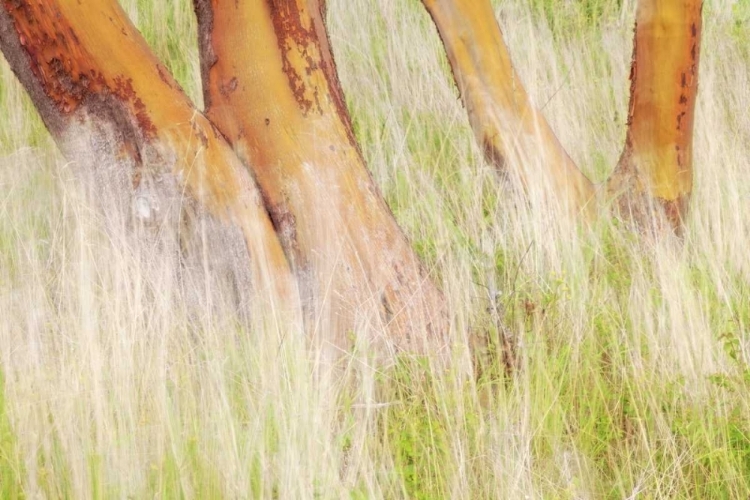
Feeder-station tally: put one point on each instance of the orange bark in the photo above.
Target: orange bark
(271, 87)
(514, 135)
(657, 161)
(104, 96)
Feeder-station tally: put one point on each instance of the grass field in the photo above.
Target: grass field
(631, 364)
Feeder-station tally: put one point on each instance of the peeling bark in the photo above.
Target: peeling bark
(117, 112)
(275, 95)
(655, 170)
(514, 135)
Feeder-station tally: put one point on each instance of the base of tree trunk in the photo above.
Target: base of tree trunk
(633, 202)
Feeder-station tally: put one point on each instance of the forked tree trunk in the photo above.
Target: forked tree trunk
(115, 110)
(656, 167)
(514, 135)
(270, 86)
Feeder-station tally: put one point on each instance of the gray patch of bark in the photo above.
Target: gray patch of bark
(158, 219)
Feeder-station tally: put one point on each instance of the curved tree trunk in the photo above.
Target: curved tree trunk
(116, 111)
(514, 135)
(656, 167)
(270, 86)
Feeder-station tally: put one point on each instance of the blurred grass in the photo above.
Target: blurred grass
(629, 357)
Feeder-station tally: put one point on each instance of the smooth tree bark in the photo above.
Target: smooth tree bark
(116, 111)
(271, 87)
(655, 170)
(513, 134)
(274, 175)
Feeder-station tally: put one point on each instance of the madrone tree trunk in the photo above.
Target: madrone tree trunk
(653, 179)
(318, 228)
(655, 172)
(270, 85)
(116, 112)
(315, 225)
(513, 134)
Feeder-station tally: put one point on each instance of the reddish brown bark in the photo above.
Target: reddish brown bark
(115, 110)
(271, 83)
(514, 135)
(656, 167)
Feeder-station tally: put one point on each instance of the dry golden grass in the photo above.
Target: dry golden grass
(631, 368)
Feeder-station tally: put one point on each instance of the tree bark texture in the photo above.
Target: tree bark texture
(656, 166)
(513, 134)
(271, 87)
(114, 109)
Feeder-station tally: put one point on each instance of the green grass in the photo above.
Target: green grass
(586, 363)
(11, 467)
(567, 19)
